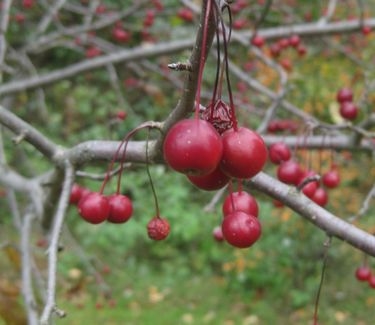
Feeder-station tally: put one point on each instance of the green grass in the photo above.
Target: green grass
(146, 297)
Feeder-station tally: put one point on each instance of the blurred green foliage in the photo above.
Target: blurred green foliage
(275, 281)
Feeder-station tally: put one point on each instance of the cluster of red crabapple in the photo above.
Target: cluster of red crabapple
(95, 208)
(364, 274)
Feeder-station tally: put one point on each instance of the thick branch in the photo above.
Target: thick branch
(320, 217)
(26, 132)
(138, 53)
(314, 29)
(127, 55)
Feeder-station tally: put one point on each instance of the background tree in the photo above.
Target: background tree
(83, 80)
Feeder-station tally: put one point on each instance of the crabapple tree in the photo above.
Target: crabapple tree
(236, 109)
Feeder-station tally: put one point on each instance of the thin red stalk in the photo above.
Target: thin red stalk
(218, 63)
(110, 167)
(150, 178)
(225, 45)
(115, 156)
(127, 138)
(240, 187)
(230, 188)
(202, 57)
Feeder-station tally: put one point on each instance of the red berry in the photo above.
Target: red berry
(348, 110)
(320, 197)
(240, 201)
(42, 242)
(193, 147)
(75, 194)
(92, 52)
(310, 188)
(279, 152)
(244, 153)
(120, 35)
(275, 50)
(363, 273)
(371, 281)
(331, 179)
(294, 40)
(85, 191)
(149, 19)
(158, 228)
(344, 95)
(210, 182)
(19, 17)
(257, 41)
(286, 64)
(289, 172)
(366, 30)
(121, 115)
(100, 9)
(185, 14)
(239, 23)
(217, 233)
(241, 229)
(158, 5)
(283, 43)
(302, 50)
(121, 208)
(94, 208)
(27, 3)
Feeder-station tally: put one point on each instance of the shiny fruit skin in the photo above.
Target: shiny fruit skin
(320, 197)
(240, 201)
(310, 188)
(210, 182)
(121, 208)
(289, 172)
(75, 194)
(193, 147)
(348, 110)
(279, 152)
(344, 95)
(331, 179)
(217, 233)
(244, 153)
(120, 35)
(241, 229)
(371, 281)
(94, 208)
(158, 228)
(257, 41)
(363, 273)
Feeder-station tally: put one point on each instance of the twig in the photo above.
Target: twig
(126, 55)
(210, 206)
(27, 285)
(327, 245)
(101, 177)
(365, 205)
(32, 135)
(312, 212)
(4, 20)
(54, 244)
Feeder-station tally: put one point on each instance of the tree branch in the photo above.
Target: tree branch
(138, 53)
(27, 132)
(27, 285)
(315, 214)
(54, 243)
